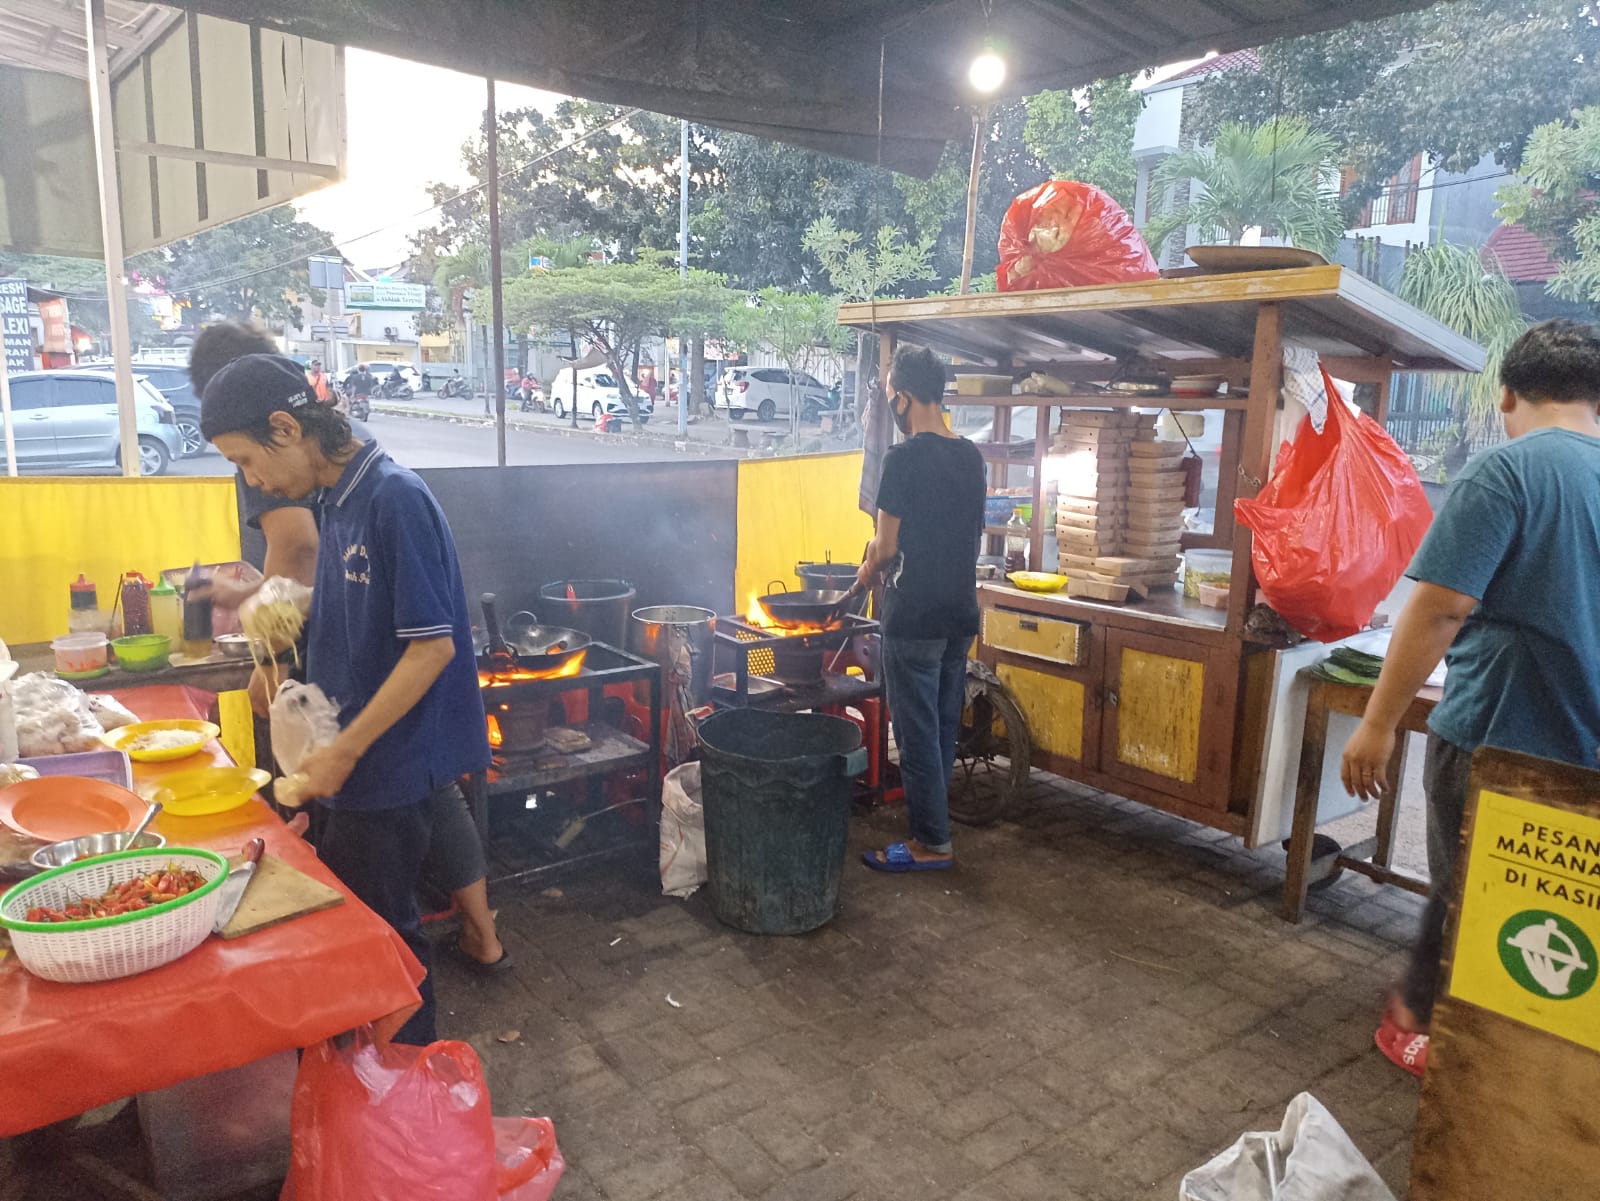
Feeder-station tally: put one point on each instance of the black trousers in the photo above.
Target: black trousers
(378, 854)
(1445, 774)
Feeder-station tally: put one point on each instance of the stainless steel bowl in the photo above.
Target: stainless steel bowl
(87, 846)
(232, 646)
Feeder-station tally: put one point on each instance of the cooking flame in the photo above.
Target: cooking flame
(755, 615)
(496, 738)
(501, 679)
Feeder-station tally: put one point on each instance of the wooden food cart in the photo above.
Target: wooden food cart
(1164, 701)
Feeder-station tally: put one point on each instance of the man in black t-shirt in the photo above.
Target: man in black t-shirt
(930, 522)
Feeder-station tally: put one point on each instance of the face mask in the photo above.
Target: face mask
(902, 421)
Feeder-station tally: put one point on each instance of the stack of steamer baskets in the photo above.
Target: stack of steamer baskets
(1119, 515)
(106, 948)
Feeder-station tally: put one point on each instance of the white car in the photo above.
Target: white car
(597, 394)
(768, 391)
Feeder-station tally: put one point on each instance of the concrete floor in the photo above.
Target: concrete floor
(1097, 1000)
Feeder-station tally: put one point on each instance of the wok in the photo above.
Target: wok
(544, 649)
(812, 607)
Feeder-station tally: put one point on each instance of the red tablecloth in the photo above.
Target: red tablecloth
(65, 1048)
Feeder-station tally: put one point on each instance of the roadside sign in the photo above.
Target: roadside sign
(539, 262)
(333, 329)
(14, 326)
(1529, 927)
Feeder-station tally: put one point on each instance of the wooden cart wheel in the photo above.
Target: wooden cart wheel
(992, 751)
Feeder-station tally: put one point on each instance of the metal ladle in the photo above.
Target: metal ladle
(144, 822)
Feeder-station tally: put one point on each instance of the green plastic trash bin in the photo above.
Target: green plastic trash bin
(777, 791)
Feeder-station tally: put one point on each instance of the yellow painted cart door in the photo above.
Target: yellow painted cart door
(1161, 717)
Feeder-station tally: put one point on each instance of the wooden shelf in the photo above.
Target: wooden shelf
(1011, 452)
(1107, 400)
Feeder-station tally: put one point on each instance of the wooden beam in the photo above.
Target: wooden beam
(1255, 457)
(224, 158)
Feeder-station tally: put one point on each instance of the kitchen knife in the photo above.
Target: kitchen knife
(238, 880)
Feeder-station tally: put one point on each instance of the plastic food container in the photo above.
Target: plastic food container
(80, 653)
(142, 652)
(1206, 567)
(1214, 596)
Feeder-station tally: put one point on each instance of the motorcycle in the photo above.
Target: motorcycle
(361, 407)
(453, 387)
(394, 388)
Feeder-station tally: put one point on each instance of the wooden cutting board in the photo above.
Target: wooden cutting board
(277, 893)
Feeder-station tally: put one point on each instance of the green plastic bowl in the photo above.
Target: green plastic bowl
(142, 652)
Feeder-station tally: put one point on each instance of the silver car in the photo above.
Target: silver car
(67, 421)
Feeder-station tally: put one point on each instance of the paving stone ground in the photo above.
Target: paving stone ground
(1097, 999)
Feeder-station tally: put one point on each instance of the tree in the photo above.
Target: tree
(613, 307)
(799, 327)
(1452, 284)
(83, 281)
(866, 272)
(252, 268)
(1454, 82)
(1088, 135)
(1269, 175)
(1556, 201)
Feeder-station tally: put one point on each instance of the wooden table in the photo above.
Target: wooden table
(1371, 856)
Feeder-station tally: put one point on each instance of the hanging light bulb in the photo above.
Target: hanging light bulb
(988, 69)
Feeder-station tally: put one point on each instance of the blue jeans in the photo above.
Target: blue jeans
(926, 679)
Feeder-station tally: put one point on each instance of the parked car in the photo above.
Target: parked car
(597, 393)
(171, 379)
(67, 420)
(769, 391)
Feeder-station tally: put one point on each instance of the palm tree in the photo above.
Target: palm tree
(1269, 175)
(1453, 284)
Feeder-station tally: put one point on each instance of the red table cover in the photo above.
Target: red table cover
(65, 1048)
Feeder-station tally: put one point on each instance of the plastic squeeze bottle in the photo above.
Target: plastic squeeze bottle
(166, 612)
(84, 616)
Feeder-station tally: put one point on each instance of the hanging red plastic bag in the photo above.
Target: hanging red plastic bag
(401, 1123)
(1064, 234)
(1337, 524)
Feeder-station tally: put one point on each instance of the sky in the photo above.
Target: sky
(406, 123)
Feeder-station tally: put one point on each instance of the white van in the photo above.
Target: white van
(597, 393)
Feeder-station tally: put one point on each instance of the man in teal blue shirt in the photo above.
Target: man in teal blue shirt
(1507, 584)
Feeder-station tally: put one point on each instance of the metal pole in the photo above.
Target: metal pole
(572, 343)
(111, 230)
(683, 274)
(466, 316)
(980, 126)
(492, 136)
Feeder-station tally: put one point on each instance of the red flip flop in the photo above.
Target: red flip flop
(1405, 1049)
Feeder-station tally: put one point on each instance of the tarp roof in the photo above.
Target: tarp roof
(802, 71)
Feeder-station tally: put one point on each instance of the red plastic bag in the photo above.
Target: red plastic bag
(1337, 523)
(1063, 234)
(402, 1123)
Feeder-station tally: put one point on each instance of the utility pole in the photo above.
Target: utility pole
(492, 135)
(683, 274)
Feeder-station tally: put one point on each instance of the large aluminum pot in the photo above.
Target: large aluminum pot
(682, 639)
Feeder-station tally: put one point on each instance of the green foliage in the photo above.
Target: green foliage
(801, 328)
(1556, 201)
(864, 272)
(1452, 284)
(83, 281)
(1088, 136)
(1455, 81)
(1268, 175)
(252, 268)
(614, 306)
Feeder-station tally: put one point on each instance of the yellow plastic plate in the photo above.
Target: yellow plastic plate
(206, 790)
(123, 739)
(1038, 581)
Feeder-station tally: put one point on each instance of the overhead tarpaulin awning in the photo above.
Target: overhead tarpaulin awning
(802, 71)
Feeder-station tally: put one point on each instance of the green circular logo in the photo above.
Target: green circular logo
(1548, 955)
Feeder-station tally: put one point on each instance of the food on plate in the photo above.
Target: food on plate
(163, 740)
(15, 773)
(141, 892)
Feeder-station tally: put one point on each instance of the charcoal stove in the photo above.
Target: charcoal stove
(614, 699)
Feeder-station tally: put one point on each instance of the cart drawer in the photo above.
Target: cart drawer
(1048, 638)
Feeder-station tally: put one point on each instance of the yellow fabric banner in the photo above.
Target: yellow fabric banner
(793, 511)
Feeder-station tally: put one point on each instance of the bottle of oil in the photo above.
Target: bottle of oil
(1017, 534)
(197, 613)
(84, 616)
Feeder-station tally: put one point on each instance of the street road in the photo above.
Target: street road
(420, 442)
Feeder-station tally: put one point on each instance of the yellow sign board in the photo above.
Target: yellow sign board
(1530, 918)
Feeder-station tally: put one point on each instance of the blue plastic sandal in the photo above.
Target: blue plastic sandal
(897, 857)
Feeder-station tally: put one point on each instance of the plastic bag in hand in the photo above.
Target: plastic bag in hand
(303, 720)
(53, 718)
(1336, 525)
(1064, 234)
(399, 1123)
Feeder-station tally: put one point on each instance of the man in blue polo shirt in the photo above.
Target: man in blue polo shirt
(388, 638)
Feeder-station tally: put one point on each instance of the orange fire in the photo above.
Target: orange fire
(758, 617)
(496, 738)
(502, 679)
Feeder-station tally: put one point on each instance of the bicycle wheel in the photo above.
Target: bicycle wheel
(992, 752)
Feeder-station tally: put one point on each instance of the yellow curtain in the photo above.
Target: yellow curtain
(792, 511)
(51, 529)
